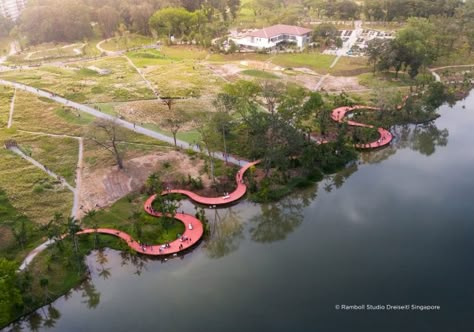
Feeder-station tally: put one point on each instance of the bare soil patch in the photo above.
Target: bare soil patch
(102, 187)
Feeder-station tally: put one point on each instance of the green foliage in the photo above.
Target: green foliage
(10, 296)
(56, 20)
(174, 21)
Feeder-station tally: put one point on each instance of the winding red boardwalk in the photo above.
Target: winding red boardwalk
(237, 194)
(339, 113)
(194, 229)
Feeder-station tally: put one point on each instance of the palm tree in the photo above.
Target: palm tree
(91, 216)
(44, 282)
(54, 229)
(72, 228)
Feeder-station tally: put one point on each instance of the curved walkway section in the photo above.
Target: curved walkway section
(193, 228)
(237, 194)
(192, 234)
(339, 113)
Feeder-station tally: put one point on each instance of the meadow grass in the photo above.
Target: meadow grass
(81, 81)
(30, 190)
(126, 42)
(259, 74)
(312, 60)
(6, 94)
(350, 66)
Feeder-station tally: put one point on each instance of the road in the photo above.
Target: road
(122, 123)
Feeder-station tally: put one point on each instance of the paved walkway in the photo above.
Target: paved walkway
(120, 122)
(237, 194)
(12, 108)
(194, 229)
(339, 113)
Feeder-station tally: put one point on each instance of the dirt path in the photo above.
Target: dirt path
(76, 190)
(150, 86)
(12, 108)
(120, 122)
(436, 75)
(43, 168)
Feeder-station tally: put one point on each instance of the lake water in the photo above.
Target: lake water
(396, 229)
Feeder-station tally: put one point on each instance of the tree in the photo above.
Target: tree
(174, 122)
(10, 296)
(209, 137)
(139, 16)
(108, 19)
(325, 33)
(55, 229)
(173, 21)
(55, 21)
(91, 214)
(271, 93)
(374, 51)
(73, 227)
(20, 233)
(347, 9)
(108, 134)
(44, 282)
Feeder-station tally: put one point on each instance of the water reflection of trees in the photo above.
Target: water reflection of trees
(424, 138)
(137, 261)
(226, 233)
(277, 220)
(46, 317)
(338, 179)
(90, 295)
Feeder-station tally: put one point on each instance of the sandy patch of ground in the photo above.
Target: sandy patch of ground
(101, 188)
(342, 83)
(155, 111)
(302, 76)
(260, 65)
(228, 71)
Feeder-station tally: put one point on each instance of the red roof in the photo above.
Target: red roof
(280, 29)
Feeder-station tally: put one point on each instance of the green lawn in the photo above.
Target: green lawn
(184, 52)
(183, 79)
(126, 42)
(146, 58)
(313, 60)
(384, 80)
(118, 216)
(190, 136)
(259, 74)
(218, 57)
(350, 66)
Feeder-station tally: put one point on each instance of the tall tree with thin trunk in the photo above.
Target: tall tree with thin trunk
(108, 134)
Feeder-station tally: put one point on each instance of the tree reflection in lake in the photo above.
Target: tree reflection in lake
(138, 261)
(101, 259)
(338, 179)
(90, 294)
(423, 138)
(46, 317)
(226, 233)
(277, 220)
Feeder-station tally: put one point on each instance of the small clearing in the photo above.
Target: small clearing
(101, 188)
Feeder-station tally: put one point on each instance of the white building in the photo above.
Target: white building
(268, 38)
(11, 8)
